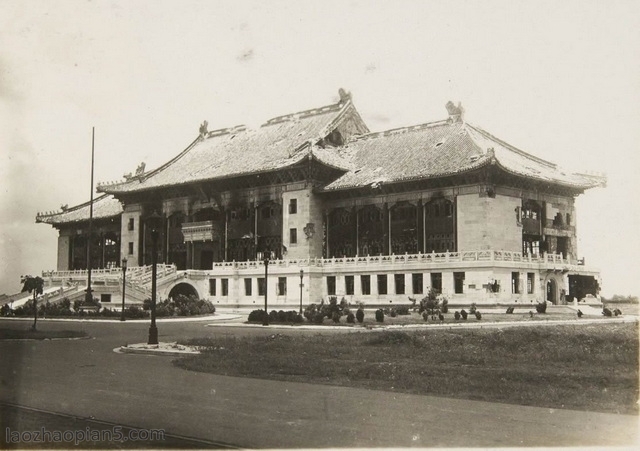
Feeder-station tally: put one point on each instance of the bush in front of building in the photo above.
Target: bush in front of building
(291, 316)
(360, 315)
(463, 313)
(351, 319)
(380, 315)
(317, 313)
(541, 307)
(181, 305)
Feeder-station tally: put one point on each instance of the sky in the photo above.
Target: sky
(559, 79)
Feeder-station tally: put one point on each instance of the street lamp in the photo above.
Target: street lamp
(301, 285)
(265, 321)
(154, 222)
(124, 284)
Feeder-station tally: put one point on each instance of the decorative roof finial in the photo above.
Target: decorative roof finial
(140, 168)
(204, 128)
(456, 113)
(344, 95)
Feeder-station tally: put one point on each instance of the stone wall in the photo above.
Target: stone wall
(485, 222)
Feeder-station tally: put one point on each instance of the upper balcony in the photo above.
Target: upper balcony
(199, 231)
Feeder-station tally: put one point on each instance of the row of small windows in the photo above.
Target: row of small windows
(515, 283)
(382, 283)
(381, 280)
(281, 287)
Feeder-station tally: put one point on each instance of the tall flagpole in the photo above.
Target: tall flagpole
(89, 295)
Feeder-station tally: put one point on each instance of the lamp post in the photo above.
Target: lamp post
(154, 222)
(124, 285)
(265, 321)
(301, 285)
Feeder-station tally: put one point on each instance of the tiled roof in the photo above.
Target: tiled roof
(439, 149)
(278, 143)
(104, 207)
(423, 151)
(518, 162)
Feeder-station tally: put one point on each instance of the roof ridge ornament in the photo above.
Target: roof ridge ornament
(204, 128)
(345, 96)
(456, 113)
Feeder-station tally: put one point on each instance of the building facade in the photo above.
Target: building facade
(339, 210)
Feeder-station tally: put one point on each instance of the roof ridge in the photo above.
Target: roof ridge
(394, 131)
(48, 214)
(144, 176)
(513, 148)
(226, 131)
(306, 113)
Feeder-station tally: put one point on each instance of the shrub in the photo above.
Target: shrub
(256, 316)
(5, 310)
(606, 312)
(380, 315)
(617, 312)
(403, 309)
(310, 311)
(510, 310)
(351, 319)
(134, 312)
(425, 316)
(473, 308)
(463, 313)
(282, 316)
(273, 316)
(360, 315)
(393, 313)
(478, 315)
(317, 318)
(541, 307)
(456, 315)
(335, 317)
(445, 307)
(429, 302)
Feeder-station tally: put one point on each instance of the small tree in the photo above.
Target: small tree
(35, 285)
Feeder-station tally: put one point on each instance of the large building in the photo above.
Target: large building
(374, 217)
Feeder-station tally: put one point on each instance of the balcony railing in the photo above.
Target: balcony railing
(434, 257)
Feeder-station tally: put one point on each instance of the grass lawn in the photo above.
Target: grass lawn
(584, 367)
(13, 334)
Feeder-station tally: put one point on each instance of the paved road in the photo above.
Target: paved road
(86, 378)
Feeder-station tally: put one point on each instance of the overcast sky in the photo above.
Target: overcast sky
(559, 79)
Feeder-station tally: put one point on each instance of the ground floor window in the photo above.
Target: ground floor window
(261, 286)
(515, 282)
(416, 281)
(436, 282)
(399, 283)
(382, 284)
(530, 282)
(458, 282)
(247, 287)
(365, 282)
(282, 286)
(105, 297)
(331, 285)
(225, 286)
(212, 287)
(349, 285)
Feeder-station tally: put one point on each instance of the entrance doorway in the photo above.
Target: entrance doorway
(552, 289)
